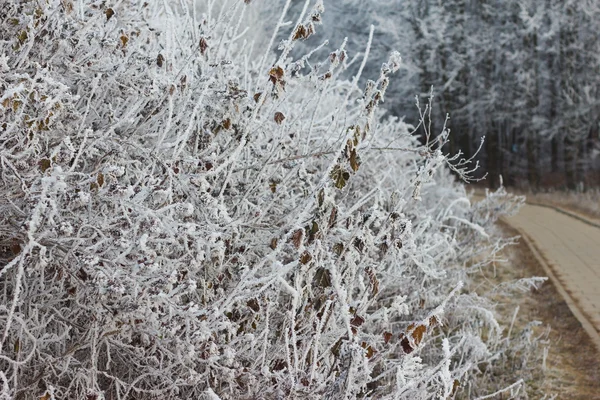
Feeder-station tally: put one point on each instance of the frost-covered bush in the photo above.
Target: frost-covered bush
(185, 215)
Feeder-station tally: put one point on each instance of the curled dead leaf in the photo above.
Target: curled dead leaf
(253, 304)
(370, 351)
(455, 386)
(387, 336)
(305, 258)
(300, 33)
(203, 45)
(297, 238)
(279, 117)
(339, 176)
(45, 164)
(357, 321)
(276, 74)
(417, 332)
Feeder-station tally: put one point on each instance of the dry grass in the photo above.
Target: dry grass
(572, 363)
(585, 203)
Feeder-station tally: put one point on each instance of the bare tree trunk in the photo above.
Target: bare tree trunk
(532, 168)
(581, 163)
(500, 149)
(554, 154)
(570, 153)
(491, 148)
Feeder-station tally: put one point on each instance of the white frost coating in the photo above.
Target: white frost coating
(211, 394)
(475, 227)
(185, 220)
(4, 63)
(11, 92)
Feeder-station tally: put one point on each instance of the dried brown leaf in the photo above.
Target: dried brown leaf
(297, 238)
(276, 74)
(300, 33)
(45, 164)
(370, 350)
(332, 217)
(357, 321)
(387, 336)
(279, 117)
(305, 258)
(354, 160)
(339, 176)
(417, 332)
(203, 45)
(253, 304)
(405, 343)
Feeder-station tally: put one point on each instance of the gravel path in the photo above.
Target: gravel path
(568, 247)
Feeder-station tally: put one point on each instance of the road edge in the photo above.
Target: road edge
(572, 214)
(571, 302)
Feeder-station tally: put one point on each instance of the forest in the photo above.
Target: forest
(521, 73)
(207, 199)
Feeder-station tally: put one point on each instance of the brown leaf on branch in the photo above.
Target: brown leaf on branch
(357, 321)
(370, 350)
(279, 117)
(305, 258)
(203, 45)
(300, 33)
(276, 75)
(297, 238)
(339, 176)
(387, 336)
(332, 217)
(354, 160)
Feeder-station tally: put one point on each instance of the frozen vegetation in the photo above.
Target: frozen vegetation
(189, 212)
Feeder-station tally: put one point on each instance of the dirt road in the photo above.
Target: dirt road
(568, 248)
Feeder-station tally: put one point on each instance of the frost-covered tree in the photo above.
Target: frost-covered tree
(521, 73)
(189, 213)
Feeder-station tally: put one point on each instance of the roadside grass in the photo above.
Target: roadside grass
(585, 203)
(564, 364)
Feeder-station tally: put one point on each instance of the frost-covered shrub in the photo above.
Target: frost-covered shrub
(185, 215)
